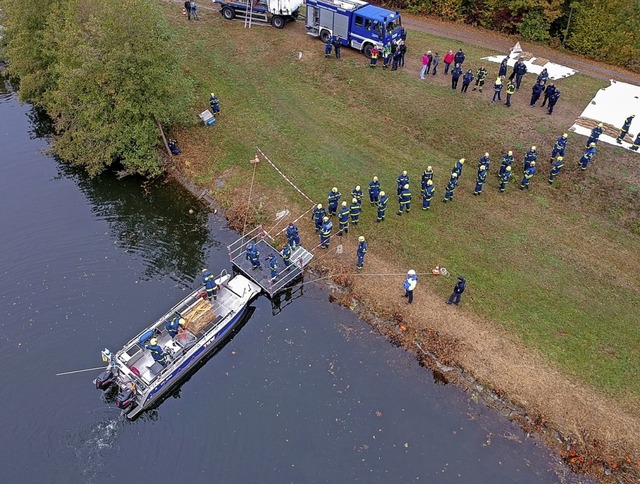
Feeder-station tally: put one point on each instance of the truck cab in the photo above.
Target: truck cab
(355, 23)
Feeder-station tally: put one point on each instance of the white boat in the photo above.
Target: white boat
(141, 381)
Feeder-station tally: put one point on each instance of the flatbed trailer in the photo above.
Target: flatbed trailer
(274, 12)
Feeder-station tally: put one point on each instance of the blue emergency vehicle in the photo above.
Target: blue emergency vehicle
(354, 23)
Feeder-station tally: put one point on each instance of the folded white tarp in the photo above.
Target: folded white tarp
(556, 71)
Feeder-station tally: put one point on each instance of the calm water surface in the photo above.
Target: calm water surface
(308, 395)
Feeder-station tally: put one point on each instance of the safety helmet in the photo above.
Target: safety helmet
(429, 182)
(533, 163)
(508, 168)
(429, 168)
(361, 239)
(153, 341)
(357, 188)
(565, 135)
(334, 189)
(344, 204)
(600, 125)
(319, 206)
(454, 175)
(382, 194)
(592, 144)
(406, 186)
(560, 158)
(249, 245)
(375, 178)
(213, 95)
(533, 148)
(462, 161)
(486, 154)
(355, 200)
(204, 271)
(325, 219)
(482, 167)
(510, 152)
(404, 172)
(411, 273)
(182, 322)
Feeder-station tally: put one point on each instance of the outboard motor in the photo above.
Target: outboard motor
(105, 380)
(125, 398)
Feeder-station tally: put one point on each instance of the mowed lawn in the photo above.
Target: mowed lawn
(552, 265)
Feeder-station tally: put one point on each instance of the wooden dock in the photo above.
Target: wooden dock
(262, 275)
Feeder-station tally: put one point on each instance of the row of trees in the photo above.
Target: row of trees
(608, 31)
(106, 73)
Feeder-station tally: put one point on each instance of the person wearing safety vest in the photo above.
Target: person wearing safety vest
(405, 200)
(507, 160)
(555, 169)
(587, 157)
(343, 220)
(511, 89)
(486, 161)
(156, 351)
(625, 129)
(481, 179)
(497, 88)
(457, 167)
(286, 255)
(504, 178)
(451, 186)
(427, 195)
(354, 210)
(410, 284)
(636, 143)
(273, 266)
(382, 206)
(357, 194)
(529, 157)
(374, 191)
(528, 175)
(325, 232)
(595, 134)
(559, 147)
(481, 76)
(333, 199)
(360, 252)
(173, 326)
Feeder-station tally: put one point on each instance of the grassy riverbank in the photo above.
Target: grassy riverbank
(556, 266)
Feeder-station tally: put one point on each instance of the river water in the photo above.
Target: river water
(307, 395)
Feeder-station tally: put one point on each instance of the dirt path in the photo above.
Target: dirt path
(493, 40)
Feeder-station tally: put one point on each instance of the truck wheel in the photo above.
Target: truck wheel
(325, 36)
(277, 21)
(228, 13)
(367, 50)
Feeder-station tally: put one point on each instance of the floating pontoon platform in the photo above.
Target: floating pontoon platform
(300, 257)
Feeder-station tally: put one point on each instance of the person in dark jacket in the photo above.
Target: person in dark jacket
(273, 266)
(481, 75)
(559, 147)
(497, 88)
(481, 179)
(173, 325)
(503, 67)
(434, 62)
(343, 219)
(187, 7)
(156, 351)
(636, 143)
(536, 91)
(466, 80)
(528, 175)
(511, 89)
(625, 129)
(459, 288)
(595, 134)
(553, 100)
(403, 51)
(382, 206)
(548, 92)
(293, 235)
(209, 283)
(327, 49)
(588, 156)
(543, 76)
(337, 44)
(360, 252)
(519, 70)
(459, 57)
(556, 169)
(456, 72)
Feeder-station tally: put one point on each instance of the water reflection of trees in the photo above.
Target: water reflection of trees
(156, 220)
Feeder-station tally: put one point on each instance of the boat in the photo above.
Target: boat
(142, 382)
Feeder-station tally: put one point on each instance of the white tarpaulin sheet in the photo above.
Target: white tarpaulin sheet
(556, 71)
(612, 105)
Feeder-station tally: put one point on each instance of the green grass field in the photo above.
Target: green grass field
(555, 266)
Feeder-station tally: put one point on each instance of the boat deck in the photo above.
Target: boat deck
(262, 275)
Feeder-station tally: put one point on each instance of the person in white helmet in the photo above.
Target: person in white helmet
(362, 250)
(410, 284)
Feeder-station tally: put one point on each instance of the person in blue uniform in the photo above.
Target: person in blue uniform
(556, 169)
(426, 176)
(293, 235)
(519, 69)
(529, 157)
(481, 179)
(451, 186)
(273, 266)
(173, 326)
(382, 206)
(374, 191)
(410, 283)
(456, 72)
(636, 143)
(559, 147)
(317, 215)
(536, 91)
(343, 220)
(528, 175)
(209, 283)
(504, 178)
(543, 77)
(595, 134)
(404, 200)
(360, 252)
(427, 195)
(333, 199)
(458, 290)
(553, 99)
(156, 351)
(214, 103)
(354, 210)
(357, 194)
(327, 50)
(325, 232)
(486, 161)
(625, 128)
(457, 167)
(497, 89)
(466, 80)
(504, 66)
(286, 255)
(507, 161)
(253, 256)
(459, 57)
(403, 179)
(588, 156)
(548, 92)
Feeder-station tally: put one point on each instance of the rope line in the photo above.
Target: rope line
(283, 175)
